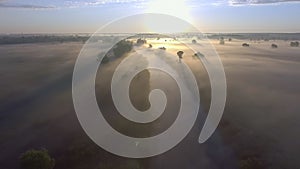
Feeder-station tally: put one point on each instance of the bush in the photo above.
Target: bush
(36, 159)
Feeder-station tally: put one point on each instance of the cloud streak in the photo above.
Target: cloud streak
(8, 4)
(260, 2)
(95, 3)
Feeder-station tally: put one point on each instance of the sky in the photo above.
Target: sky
(79, 16)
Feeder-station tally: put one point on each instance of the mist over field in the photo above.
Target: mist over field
(259, 128)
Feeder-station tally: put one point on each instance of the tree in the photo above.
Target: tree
(180, 54)
(122, 47)
(36, 159)
(294, 44)
(141, 41)
(222, 41)
(198, 54)
(274, 46)
(245, 45)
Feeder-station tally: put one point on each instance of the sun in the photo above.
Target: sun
(178, 8)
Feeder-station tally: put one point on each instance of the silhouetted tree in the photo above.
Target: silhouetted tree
(294, 44)
(36, 159)
(222, 41)
(199, 54)
(274, 46)
(245, 45)
(180, 54)
(141, 41)
(122, 47)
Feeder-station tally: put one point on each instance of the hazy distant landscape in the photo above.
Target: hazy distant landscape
(46, 38)
(259, 128)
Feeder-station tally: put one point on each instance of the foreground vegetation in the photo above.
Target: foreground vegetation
(36, 159)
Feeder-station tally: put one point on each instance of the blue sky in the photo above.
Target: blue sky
(76, 16)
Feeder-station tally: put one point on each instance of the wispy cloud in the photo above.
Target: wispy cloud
(25, 6)
(260, 2)
(101, 2)
(95, 3)
(61, 4)
(11, 4)
(197, 3)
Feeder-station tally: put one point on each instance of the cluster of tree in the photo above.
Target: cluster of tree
(36, 159)
(105, 58)
(141, 41)
(121, 48)
(294, 44)
(256, 36)
(41, 39)
(245, 45)
(162, 48)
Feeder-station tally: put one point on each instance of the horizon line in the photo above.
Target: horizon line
(60, 33)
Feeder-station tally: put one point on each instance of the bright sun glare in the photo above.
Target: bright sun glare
(177, 8)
